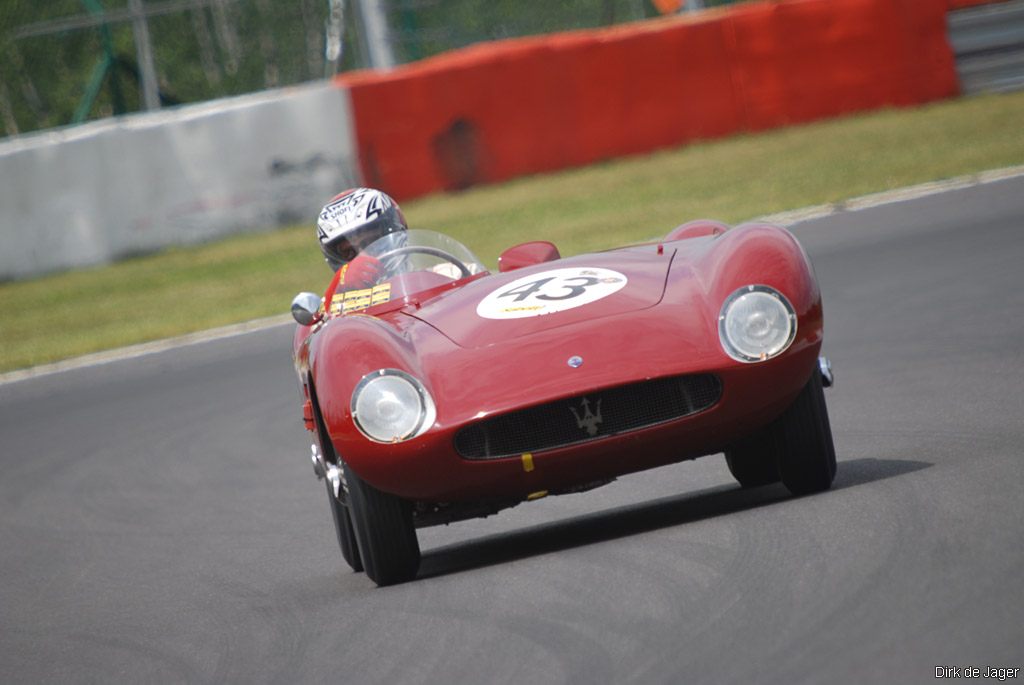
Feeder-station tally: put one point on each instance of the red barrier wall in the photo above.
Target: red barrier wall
(499, 110)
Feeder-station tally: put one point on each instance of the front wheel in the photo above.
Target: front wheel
(384, 529)
(343, 529)
(807, 456)
(753, 461)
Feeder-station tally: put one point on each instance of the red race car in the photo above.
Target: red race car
(447, 392)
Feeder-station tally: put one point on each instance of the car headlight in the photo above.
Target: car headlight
(756, 323)
(390, 405)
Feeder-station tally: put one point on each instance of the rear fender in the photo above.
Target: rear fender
(696, 229)
(527, 254)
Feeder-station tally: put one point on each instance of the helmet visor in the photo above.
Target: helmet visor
(354, 242)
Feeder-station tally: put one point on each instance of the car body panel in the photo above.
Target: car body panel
(662, 322)
(643, 270)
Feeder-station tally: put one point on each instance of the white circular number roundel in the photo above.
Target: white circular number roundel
(550, 291)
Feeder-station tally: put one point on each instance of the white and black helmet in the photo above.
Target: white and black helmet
(354, 219)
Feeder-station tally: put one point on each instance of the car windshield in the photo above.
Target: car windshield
(414, 261)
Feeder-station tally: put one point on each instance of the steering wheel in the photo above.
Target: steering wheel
(433, 251)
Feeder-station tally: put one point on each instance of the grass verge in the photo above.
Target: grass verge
(183, 290)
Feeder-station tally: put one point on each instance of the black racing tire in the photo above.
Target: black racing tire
(754, 461)
(339, 511)
(385, 532)
(807, 455)
(343, 529)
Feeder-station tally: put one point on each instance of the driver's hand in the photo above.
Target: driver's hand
(362, 272)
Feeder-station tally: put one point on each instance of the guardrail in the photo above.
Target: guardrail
(988, 42)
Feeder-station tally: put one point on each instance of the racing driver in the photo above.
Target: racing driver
(350, 222)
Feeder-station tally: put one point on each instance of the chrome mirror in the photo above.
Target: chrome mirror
(306, 308)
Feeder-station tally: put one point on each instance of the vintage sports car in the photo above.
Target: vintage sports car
(447, 392)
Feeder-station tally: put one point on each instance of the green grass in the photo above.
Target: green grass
(247, 277)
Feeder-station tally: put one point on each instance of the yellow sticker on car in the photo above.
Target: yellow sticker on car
(356, 300)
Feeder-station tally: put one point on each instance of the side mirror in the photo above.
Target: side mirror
(306, 308)
(527, 254)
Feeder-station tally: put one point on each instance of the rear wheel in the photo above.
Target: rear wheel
(385, 532)
(807, 456)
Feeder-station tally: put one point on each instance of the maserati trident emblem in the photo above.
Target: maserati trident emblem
(588, 421)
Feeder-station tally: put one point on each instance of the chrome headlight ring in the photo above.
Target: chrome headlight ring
(756, 323)
(389, 405)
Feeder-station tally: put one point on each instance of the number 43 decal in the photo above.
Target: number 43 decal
(549, 292)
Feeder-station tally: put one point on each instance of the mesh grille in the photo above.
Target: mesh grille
(588, 417)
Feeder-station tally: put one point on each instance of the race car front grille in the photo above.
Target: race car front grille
(593, 416)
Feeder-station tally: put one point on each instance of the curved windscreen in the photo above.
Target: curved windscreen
(413, 262)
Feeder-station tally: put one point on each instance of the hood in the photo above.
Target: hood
(551, 295)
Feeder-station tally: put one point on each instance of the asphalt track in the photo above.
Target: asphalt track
(159, 520)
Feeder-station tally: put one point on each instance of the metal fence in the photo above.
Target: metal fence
(989, 45)
(66, 61)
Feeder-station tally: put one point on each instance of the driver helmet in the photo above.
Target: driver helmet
(352, 220)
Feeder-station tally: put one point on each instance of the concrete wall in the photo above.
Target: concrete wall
(90, 194)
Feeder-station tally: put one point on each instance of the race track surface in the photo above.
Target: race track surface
(159, 520)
